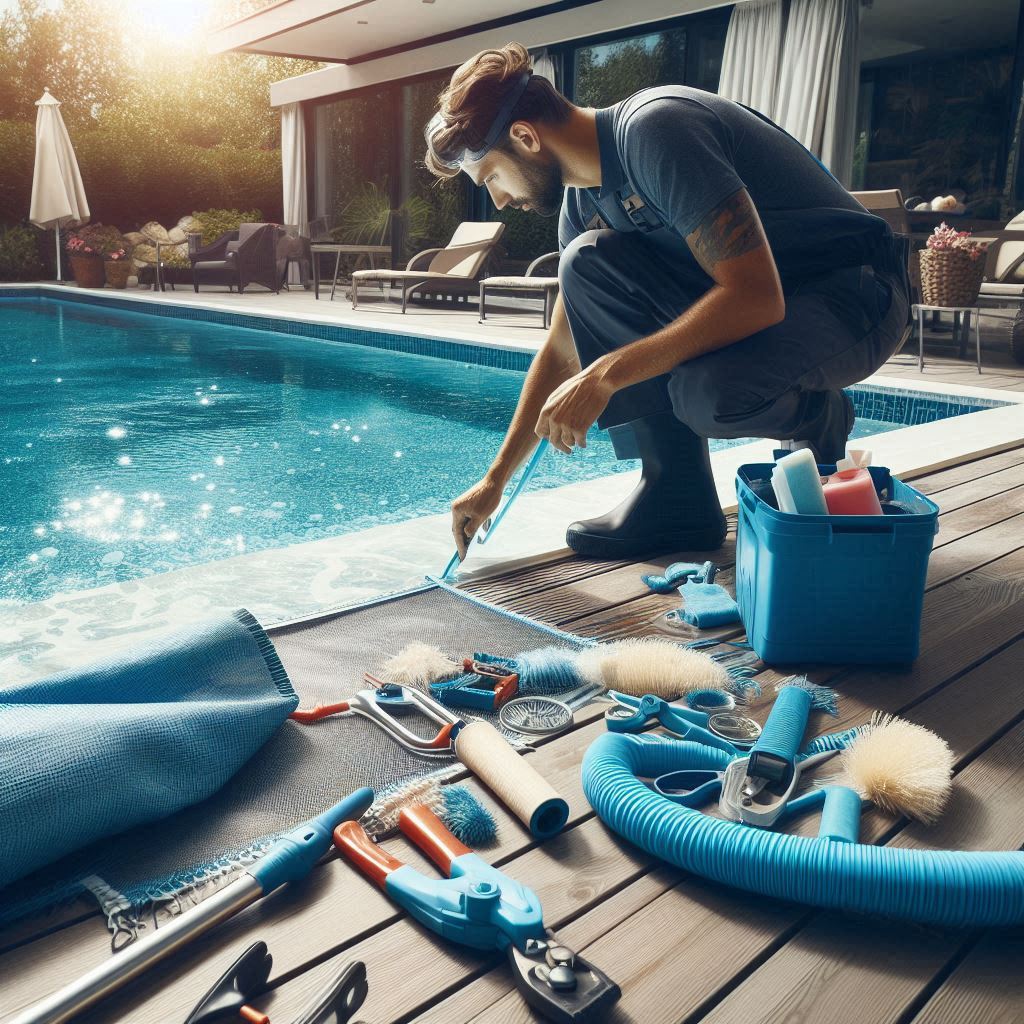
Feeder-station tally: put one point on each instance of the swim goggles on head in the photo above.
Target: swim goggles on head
(498, 125)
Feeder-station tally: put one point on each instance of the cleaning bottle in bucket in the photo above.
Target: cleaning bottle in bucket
(850, 491)
(797, 484)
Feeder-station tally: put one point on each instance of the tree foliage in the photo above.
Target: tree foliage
(160, 127)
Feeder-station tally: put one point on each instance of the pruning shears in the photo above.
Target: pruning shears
(477, 905)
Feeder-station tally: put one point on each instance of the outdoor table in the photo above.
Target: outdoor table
(920, 309)
(317, 248)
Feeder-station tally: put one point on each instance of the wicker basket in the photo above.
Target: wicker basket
(88, 271)
(118, 272)
(950, 278)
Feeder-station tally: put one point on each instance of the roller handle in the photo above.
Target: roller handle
(422, 826)
(773, 755)
(351, 839)
(840, 817)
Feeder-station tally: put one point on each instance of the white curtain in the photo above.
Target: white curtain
(545, 66)
(293, 173)
(818, 76)
(750, 62)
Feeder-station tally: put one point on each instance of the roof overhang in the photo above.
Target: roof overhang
(403, 38)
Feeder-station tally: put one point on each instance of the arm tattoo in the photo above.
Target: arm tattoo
(729, 230)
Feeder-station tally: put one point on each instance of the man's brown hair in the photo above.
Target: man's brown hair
(474, 96)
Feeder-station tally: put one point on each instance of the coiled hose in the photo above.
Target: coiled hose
(951, 888)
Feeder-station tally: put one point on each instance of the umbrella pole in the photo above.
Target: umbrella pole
(56, 235)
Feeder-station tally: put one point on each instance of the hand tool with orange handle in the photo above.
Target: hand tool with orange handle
(246, 978)
(477, 905)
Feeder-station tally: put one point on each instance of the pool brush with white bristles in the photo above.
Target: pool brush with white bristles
(899, 766)
(659, 667)
(419, 664)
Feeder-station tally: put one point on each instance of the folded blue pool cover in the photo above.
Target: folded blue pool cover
(90, 752)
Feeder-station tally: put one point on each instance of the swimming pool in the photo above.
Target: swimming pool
(134, 444)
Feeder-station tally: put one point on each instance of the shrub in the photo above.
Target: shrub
(213, 223)
(19, 254)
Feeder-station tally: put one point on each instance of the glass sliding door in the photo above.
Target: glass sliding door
(608, 72)
(431, 208)
(355, 143)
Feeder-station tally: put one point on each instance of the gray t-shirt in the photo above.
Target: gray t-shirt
(684, 151)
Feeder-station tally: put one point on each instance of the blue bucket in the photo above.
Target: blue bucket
(832, 589)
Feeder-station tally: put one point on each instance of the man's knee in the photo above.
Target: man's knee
(709, 400)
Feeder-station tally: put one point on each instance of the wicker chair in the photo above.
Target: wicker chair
(248, 256)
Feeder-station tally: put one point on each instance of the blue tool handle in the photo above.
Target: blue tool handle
(295, 853)
(524, 479)
(679, 725)
(677, 713)
(651, 705)
(840, 817)
(691, 787)
(784, 731)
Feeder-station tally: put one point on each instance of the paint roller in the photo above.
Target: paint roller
(515, 782)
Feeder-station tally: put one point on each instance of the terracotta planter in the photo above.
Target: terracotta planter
(950, 278)
(117, 272)
(88, 271)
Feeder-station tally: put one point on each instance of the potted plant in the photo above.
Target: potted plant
(88, 247)
(118, 266)
(952, 267)
(86, 261)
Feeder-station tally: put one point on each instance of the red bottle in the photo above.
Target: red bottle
(850, 491)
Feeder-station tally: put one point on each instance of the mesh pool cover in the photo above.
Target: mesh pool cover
(299, 772)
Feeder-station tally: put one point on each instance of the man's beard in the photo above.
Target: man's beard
(544, 187)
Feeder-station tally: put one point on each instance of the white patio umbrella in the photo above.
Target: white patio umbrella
(58, 197)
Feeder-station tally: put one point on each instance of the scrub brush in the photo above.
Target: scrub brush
(901, 767)
(464, 815)
(419, 664)
(640, 667)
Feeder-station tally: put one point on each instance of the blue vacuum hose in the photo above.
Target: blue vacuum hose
(949, 888)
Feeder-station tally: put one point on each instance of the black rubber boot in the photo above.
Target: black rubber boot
(673, 508)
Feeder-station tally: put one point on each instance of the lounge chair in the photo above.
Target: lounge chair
(455, 269)
(248, 256)
(1003, 284)
(531, 283)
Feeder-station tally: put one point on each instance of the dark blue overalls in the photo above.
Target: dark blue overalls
(630, 275)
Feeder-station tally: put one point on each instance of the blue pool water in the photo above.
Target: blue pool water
(133, 444)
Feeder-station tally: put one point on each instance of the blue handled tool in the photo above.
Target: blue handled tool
(476, 905)
(724, 730)
(489, 527)
(757, 788)
(290, 858)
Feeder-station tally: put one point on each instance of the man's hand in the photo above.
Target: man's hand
(573, 408)
(471, 509)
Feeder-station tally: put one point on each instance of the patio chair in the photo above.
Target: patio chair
(531, 283)
(1003, 284)
(250, 257)
(455, 269)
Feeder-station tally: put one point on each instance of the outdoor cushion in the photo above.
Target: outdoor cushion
(521, 282)
(462, 256)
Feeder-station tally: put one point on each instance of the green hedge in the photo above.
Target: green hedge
(132, 178)
(20, 258)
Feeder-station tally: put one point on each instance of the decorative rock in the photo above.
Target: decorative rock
(187, 223)
(136, 237)
(155, 232)
(176, 235)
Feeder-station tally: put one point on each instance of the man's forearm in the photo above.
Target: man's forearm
(554, 363)
(719, 318)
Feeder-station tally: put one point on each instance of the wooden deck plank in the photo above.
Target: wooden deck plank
(988, 985)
